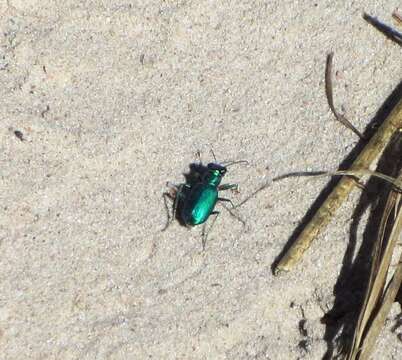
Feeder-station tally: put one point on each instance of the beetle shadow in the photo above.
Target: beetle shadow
(192, 177)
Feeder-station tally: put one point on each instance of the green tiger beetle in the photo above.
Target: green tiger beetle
(195, 200)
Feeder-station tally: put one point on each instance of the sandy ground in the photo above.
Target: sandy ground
(113, 99)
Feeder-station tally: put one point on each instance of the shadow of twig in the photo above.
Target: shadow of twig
(350, 288)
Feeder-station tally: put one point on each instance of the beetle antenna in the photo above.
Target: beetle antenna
(198, 154)
(230, 163)
(213, 154)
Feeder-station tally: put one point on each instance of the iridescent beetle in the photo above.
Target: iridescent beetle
(194, 201)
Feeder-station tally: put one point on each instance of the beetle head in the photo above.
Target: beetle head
(214, 167)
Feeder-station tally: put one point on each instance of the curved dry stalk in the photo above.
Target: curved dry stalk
(329, 92)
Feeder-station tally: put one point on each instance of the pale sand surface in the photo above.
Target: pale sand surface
(113, 99)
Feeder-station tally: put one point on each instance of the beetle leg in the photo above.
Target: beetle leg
(166, 196)
(179, 193)
(266, 185)
(228, 187)
(226, 200)
(178, 189)
(237, 217)
(204, 234)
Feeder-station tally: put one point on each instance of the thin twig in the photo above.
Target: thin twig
(377, 301)
(338, 195)
(329, 92)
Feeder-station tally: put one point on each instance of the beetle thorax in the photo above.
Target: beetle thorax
(213, 177)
